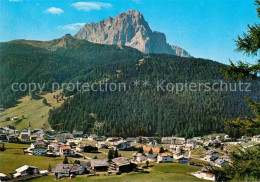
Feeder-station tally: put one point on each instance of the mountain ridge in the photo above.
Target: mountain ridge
(129, 29)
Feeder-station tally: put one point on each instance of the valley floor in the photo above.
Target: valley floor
(13, 158)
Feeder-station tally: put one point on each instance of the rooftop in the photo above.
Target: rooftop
(24, 168)
(65, 148)
(121, 161)
(99, 162)
(165, 154)
(61, 168)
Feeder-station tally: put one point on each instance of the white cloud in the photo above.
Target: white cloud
(15, 0)
(54, 10)
(71, 27)
(87, 6)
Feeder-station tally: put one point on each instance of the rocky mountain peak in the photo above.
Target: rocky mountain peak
(129, 29)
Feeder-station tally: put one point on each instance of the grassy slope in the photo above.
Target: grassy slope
(198, 152)
(127, 154)
(33, 110)
(92, 155)
(159, 172)
(13, 158)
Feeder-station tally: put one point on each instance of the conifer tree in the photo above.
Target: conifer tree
(116, 154)
(65, 160)
(161, 150)
(150, 151)
(245, 162)
(49, 168)
(140, 150)
(110, 155)
(249, 43)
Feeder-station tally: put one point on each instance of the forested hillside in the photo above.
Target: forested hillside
(140, 110)
(50, 62)
(145, 111)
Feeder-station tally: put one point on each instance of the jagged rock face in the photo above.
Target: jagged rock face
(180, 52)
(129, 29)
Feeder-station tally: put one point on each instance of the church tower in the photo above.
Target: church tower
(29, 129)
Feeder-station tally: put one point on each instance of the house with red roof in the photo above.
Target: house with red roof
(66, 151)
(154, 149)
(55, 147)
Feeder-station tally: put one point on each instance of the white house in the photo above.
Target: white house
(66, 151)
(154, 142)
(92, 137)
(40, 151)
(184, 160)
(121, 145)
(165, 157)
(211, 155)
(25, 171)
(256, 138)
(151, 157)
(139, 157)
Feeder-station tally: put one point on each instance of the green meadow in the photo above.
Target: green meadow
(13, 158)
(158, 172)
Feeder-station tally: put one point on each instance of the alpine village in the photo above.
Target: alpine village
(140, 134)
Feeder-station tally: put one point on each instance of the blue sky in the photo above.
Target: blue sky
(205, 28)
